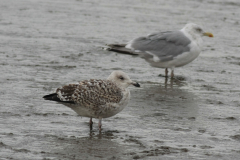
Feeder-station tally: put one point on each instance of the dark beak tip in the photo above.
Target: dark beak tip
(136, 84)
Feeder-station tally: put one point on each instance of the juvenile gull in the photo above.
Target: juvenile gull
(96, 98)
(168, 49)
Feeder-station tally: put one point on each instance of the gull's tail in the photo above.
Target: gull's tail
(120, 48)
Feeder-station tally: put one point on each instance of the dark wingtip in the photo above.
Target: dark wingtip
(54, 97)
(120, 48)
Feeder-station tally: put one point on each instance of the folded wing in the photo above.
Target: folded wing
(88, 93)
(162, 45)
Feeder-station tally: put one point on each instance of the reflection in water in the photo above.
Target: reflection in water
(178, 81)
(170, 97)
(97, 145)
(92, 134)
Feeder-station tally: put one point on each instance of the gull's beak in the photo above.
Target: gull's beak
(208, 34)
(135, 84)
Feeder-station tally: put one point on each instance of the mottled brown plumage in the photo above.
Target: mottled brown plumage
(96, 98)
(91, 93)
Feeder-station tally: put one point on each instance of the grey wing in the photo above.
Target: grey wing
(91, 93)
(164, 45)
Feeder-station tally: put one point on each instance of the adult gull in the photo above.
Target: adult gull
(167, 49)
(96, 98)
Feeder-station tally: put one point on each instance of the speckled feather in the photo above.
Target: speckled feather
(91, 93)
(96, 98)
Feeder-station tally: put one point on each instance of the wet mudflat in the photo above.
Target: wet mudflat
(46, 44)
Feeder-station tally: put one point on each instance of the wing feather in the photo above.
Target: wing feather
(90, 93)
(164, 45)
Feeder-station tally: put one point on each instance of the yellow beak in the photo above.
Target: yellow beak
(208, 34)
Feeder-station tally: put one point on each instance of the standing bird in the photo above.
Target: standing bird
(168, 49)
(96, 98)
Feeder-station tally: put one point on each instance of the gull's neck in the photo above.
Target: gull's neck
(196, 38)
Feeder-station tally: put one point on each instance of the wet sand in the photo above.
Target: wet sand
(46, 44)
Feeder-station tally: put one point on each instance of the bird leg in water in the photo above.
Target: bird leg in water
(166, 72)
(90, 123)
(100, 124)
(172, 74)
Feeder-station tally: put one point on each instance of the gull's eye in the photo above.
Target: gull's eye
(199, 29)
(121, 77)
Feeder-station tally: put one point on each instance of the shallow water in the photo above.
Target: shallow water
(46, 44)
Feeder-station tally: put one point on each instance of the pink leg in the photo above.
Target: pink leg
(100, 124)
(166, 72)
(172, 74)
(90, 123)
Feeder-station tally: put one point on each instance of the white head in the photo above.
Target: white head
(121, 79)
(196, 31)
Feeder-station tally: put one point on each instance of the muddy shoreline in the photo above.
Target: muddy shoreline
(46, 44)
